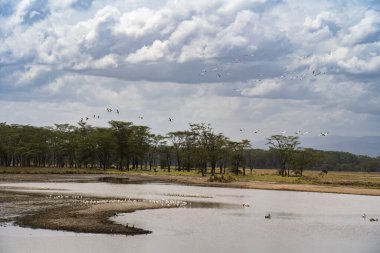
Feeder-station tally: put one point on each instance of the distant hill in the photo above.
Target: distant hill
(366, 145)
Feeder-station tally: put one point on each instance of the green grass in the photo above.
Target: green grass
(49, 170)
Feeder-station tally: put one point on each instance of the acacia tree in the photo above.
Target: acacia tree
(302, 158)
(104, 147)
(283, 147)
(237, 154)
(178, 140)
(208, 146)
(121, 132)
(139, 144)
(154, 142)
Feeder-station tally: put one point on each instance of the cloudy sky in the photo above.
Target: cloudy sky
(272, 65)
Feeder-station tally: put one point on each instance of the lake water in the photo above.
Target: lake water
(301, 222)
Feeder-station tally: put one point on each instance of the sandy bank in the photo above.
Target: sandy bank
(73, 213)
(90, 218)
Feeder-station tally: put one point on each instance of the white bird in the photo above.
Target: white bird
(268, 216)
(170, 119)
(283, 132)
(246, 205)
(364, 215)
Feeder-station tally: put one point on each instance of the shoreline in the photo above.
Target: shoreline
(187, 180)
(260, 185)
(87, 214)
(73, 213)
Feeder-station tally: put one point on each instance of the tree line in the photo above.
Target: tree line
(126, 146)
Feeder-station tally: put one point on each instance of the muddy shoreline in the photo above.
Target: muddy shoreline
(73, 213)
(91, 215)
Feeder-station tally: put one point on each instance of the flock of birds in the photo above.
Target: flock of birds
(161, 202)
(171, 119)
(89, 201)
(284, 132)
(220, 69)
(110, 111)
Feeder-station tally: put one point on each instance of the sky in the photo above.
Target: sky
(243, 65)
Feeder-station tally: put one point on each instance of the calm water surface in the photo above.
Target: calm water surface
(301, 222)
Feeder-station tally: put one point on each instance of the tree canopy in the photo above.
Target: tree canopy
(125, 146)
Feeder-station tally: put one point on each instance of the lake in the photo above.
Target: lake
(216, 221)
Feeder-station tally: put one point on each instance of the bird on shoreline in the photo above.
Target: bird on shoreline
(268, 216)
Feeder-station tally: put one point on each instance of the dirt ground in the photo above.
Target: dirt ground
(73, 212)
(91, 215)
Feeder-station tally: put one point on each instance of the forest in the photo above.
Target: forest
(125, 146)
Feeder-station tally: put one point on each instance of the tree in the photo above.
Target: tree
(122, 133)
(237, 152)
(178, 140)
(104, 147)
(302, 158)
(154, 142)
(283, 147)
(139, 144)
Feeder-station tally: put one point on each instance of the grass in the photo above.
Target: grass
(334, 178)
(350, 179)
(49, 170)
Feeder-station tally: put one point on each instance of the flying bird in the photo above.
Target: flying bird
(324, 134)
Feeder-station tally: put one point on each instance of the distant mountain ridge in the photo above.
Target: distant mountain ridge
(365, 145)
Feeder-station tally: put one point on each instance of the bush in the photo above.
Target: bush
(222, 178)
